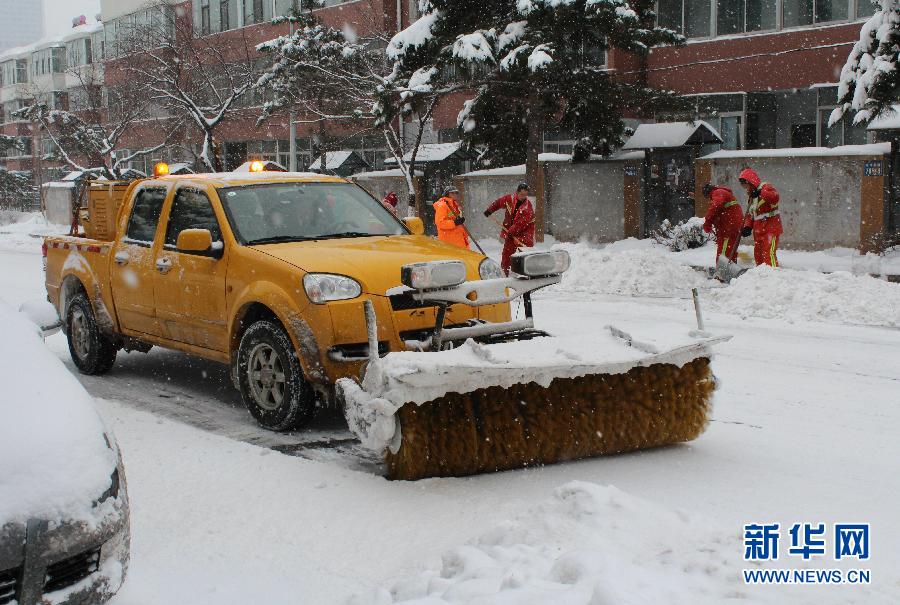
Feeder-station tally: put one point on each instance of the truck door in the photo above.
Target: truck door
(190, 287)
(131, 275)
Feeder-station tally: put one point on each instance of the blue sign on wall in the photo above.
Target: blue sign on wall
(873, 168)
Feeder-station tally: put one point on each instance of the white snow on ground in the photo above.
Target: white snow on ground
(589, 545)
(835, 297)
(805, 429)
(24, 231)
(53, 459)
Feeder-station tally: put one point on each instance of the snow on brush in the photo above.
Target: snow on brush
(588, 544)
(838, 297)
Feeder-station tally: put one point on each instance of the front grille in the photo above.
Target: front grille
(356, 351)
(9, 585)
(405, 302)
(72, 570)
(426, 333)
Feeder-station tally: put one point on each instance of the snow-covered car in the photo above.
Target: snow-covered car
(64, 527)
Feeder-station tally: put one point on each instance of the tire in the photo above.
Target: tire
(271, 379)
(92, 352)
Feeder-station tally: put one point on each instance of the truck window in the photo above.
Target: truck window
(145, 216)
(191, 210)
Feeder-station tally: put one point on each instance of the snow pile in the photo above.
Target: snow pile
(54, 461)
(631, 271)
(588, 544)
(804, 295)
(27, 230)
(418, 377)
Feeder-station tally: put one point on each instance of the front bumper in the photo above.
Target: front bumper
(66, 563)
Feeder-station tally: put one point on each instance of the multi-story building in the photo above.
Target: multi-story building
(21, 23)
(763, 72)
(52, 71)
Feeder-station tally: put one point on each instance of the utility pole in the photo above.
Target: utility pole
(292, 124)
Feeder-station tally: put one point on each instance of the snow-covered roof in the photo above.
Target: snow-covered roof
(82, 31)
(374, 174)
(547, 157)
(335, 159)
(672, 134)
(794, 152)
(888, 121)
(245, 167)
(430, 152)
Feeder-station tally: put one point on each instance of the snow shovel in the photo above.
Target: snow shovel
(508, 396)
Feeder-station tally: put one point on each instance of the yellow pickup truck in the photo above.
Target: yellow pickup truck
(267, 272)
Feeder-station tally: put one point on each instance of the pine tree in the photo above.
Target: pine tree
(870, 81)
(533, 65)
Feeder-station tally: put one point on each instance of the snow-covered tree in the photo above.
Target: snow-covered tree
(533, 65)
(331, 78)
(17, 189)
(198, 78)
(326, 74)
(91, 137)
(870, 80)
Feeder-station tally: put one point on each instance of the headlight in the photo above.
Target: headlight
(324, 287)
(539, 264)
(438, 274)
(489, 269)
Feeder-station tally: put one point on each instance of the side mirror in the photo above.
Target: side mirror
(415, 225)
(197, 241)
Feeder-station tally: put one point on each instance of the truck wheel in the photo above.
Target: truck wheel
(92, 352)
(271, 380)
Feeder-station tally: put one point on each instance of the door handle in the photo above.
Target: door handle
(164, 264)
(122, 258)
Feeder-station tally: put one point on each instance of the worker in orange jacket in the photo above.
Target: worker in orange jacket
(449, 219)
(763, 219)
(517, 230)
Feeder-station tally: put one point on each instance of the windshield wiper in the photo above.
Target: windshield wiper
(275, 239)
(348, 234)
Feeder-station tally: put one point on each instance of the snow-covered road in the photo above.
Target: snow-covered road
(805, 430)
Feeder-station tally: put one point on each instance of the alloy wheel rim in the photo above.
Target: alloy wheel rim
(81, 338)
(267, 377)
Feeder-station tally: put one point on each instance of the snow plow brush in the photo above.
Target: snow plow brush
(491, 397)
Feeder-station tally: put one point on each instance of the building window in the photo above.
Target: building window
(204, 18)
(255, 11)
(807, 12)
(738, 16)
(224, 15)
(865, 8)
(687, 17)
(286, 7)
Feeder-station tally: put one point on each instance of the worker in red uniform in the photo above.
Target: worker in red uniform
(763, 220)
(449, 219)
(724, 217)
(517, 231)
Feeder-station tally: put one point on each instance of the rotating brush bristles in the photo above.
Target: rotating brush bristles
(499, 428)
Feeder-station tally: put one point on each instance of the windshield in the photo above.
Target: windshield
(283, 212)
